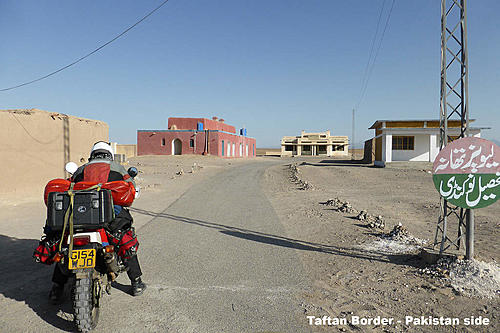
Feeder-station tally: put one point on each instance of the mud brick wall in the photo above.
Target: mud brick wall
(33, 149)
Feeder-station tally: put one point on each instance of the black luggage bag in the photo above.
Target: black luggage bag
(91, 209)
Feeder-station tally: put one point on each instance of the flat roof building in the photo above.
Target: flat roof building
(314, 144)
(411, 140)
(196, 136)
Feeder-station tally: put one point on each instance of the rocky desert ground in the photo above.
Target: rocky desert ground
(364, 227)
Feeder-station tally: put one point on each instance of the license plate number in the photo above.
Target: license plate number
(82, 259)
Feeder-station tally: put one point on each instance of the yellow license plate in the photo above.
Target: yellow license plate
(82, 259)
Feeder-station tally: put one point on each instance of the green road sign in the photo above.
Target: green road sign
(467, 172)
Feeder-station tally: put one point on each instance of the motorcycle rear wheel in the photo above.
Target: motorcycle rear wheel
(86, 294)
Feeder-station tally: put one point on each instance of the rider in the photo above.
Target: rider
(101, 168)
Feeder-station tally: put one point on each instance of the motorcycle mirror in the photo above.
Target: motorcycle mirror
(71, 167)
(132, 171)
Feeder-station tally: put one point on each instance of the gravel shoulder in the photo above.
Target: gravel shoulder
(352, 273)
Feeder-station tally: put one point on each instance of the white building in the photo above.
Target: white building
(411, 140)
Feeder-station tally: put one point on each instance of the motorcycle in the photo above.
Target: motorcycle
(81, 215)
(94, 265)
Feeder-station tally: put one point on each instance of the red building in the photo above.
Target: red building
(196, 136)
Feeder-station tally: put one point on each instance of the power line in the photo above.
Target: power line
(371, 49)
(29, 134)
(89, 54)
(365, 86)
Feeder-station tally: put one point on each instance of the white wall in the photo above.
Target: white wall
(426, 144)
(434, 143)
(420, 153)
(387, 148)
(434, 146)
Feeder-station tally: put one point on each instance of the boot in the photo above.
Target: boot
(138, 287)
(56, 293)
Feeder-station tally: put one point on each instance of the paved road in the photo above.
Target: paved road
(213, 260)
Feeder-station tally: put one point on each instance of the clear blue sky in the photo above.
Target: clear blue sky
(274, 66)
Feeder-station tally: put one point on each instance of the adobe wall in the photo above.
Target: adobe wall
(217, 125)
(159, 142)
(127, 150)
(32, 148)
(237, 140)
(192, 124)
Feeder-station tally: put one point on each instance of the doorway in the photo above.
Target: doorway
(176, 147)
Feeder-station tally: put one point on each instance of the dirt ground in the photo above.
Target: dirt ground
(351, 277)
(351, 273)
(167, 177)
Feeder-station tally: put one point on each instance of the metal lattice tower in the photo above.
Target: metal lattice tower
(454, 106)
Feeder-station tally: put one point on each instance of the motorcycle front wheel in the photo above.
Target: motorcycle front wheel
(86, 295)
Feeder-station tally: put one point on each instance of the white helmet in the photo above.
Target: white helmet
(101, 149)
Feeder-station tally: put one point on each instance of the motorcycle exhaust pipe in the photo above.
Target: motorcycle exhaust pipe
(111, 264)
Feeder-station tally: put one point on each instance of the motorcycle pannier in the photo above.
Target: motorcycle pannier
(91, 209)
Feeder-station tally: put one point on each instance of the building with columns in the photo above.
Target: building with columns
(314, 144)
(411, 140)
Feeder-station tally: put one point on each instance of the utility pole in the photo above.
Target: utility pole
(66, 142)
(454, 106)
(352, 141)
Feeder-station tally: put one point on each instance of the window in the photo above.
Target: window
(163, 141)
(191, 143)
(403, 143)
(288, 148)
(338, 148)
(222, 147)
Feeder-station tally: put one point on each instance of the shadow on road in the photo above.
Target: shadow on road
(25, 281)
(271, 240)
(333, 162)
(256, 236)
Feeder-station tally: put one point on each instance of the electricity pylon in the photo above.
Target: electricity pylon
(454, 106)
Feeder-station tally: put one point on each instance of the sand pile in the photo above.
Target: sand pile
(397, 241)
(345, 207)
(340, 206)
(294, 175)
(372, 221)
(470, 278)
(196, 167)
